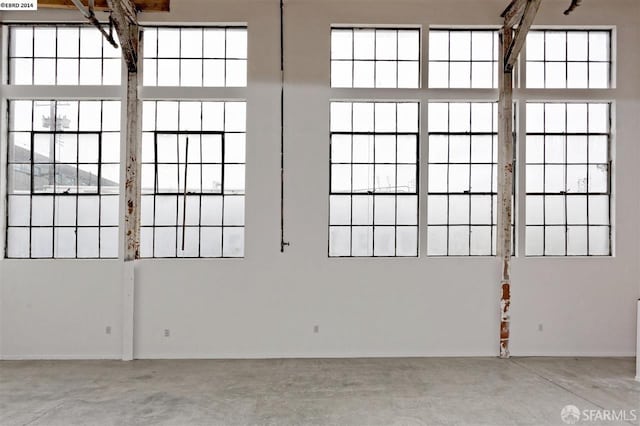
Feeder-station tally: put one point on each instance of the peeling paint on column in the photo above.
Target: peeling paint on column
(520, 14)
(505, 305)
(505, 185)
(132, 182)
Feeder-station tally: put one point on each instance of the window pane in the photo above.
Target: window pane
(64, 243)
(375, 58)
(462, 59)
(211, 242)
(462, 182)
(339, 241)
(18, 242)
(62, 55)
(568, 59)
(233, 242)
(41, 242)
(197, 56)
(214, 165)
(573, 174)
(379, 166)
(342, 44)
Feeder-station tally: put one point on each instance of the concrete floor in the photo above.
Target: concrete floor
(414, 391)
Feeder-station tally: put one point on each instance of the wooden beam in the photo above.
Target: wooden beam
(509, 7)
(101, 5)
(505, 185)
(530, 11)
(132, 212)
(126, 24)
(124, 20)
(91, 17)
(572, 7)
(132, 170)
(511, 42)
(513, 13)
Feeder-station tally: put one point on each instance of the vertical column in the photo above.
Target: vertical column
(132, 213)
(505, 182)
(423, 141)
(131, 191)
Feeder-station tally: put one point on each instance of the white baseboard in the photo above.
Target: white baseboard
(624, 354)
(59, 357)
(182, 356)
(224, 356)
(365, 355)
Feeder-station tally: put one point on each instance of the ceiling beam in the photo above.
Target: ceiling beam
(530, 12)
(102, 5)
(572, 7)
(513, 13)
(88, 13)
(123, 16)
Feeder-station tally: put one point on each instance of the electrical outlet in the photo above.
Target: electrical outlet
(540, 327)
(167, 332)
(107, 329)
(316, 328)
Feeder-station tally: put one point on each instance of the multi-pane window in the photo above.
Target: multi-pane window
(463, 58)
(373, 199)
(462, 200)
(195, 56)
(61, 55)
(63, 179)
(193, 179)
(568, 179)
(569, 59)
(375, 57)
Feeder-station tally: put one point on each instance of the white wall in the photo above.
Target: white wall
(267, 304)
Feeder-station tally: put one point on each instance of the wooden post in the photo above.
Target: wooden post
(132, 212)
(505, 181)
(520, 13)
(132, 179)
(124, 20)
(123, 15)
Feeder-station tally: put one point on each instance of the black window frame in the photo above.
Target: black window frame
(373, 193)
(566, 61)
(566, 194)
(374, 60)
(56, 26)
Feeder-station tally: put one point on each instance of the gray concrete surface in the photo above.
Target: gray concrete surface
(413, 391)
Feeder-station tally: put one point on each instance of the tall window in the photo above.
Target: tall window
(61, 55)
(463, 58)
(193, 151)
(63, 179)
(195, 56)
(374, 179)
(568, 179)
(375, 57)
(462, 206)
(63, 161)
(569, 59)
(193, 179)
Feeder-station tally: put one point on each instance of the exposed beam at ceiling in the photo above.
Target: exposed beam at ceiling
(101, 5)
(123, 16)
(572, 7)
(89, 14)
(513, 13)
(529, 14)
